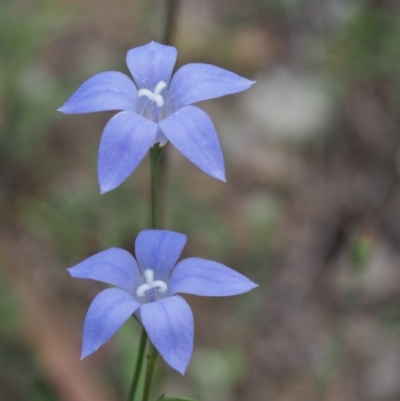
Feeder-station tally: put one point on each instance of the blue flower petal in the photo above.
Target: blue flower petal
(196, 82)
(106, 314)
(169, 324)
(159, 251)
(204, 277)
(110, 90)
(126, 139)
(114, 266)
(151, 63)
(192, 132)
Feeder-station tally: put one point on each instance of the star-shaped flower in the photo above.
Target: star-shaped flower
(155, 109)
(148, 288)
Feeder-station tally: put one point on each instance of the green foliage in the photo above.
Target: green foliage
(368, 45)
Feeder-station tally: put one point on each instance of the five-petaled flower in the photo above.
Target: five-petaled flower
(148, 288)
(155, 109)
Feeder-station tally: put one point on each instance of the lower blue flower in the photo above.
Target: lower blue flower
(148, 287)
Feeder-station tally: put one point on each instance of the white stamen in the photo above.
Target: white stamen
(142, 290)
(162, 287)
(150, 284)
(154, 96)
(149, 275)
(159, 87)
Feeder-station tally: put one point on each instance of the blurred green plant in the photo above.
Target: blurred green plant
(28, 91)
(360, 252)
(367, 45)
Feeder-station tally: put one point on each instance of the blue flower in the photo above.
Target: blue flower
(148, 288)
(155, 109)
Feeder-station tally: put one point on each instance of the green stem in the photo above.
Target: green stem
(167, 38)
(170, 22)
(155, 156)
(151, 363)
(138, 366)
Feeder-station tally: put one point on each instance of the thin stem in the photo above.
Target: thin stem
(167, 38)
(155, 156)
(170, 22)
(138, 366)
(151, 363)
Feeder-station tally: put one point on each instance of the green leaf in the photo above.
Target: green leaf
(161, 397)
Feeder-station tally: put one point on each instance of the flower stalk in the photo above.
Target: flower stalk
(155, 156)
(151, 363)
(138, 366)
(170, 22)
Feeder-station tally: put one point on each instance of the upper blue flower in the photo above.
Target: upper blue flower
(155, 109)
(148, 288)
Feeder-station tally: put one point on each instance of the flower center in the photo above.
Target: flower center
(150, 286)
(156, 95)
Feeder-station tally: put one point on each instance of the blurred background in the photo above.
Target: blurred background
(310, 211)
